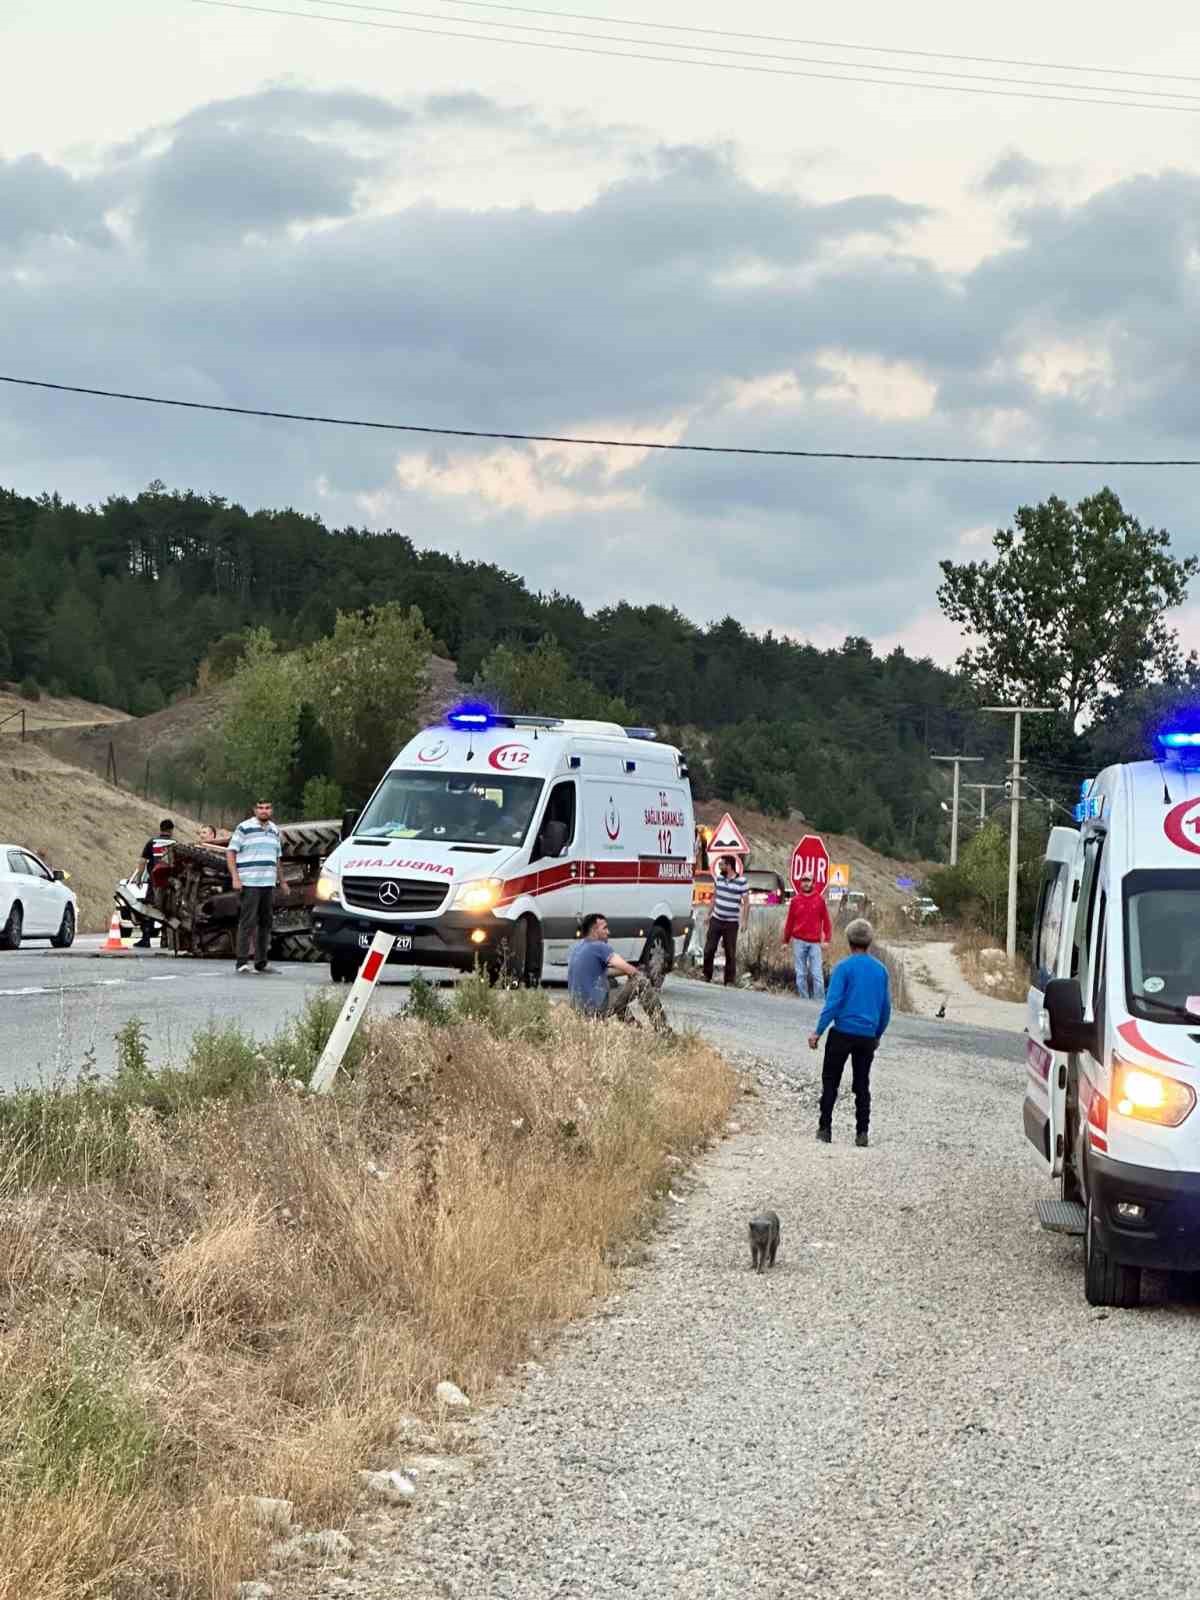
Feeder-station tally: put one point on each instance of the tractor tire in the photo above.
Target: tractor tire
(295, 945)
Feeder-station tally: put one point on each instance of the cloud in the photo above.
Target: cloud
(269, 249)
(1012, 171)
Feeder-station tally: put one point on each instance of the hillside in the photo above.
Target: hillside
(156, 744)
(51, 712)
(772, 839)
(77, 822)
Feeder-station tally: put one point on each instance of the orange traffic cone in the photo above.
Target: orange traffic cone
(113, 945)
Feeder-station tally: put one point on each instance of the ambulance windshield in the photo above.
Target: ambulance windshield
(451, 807)
(1162, 943)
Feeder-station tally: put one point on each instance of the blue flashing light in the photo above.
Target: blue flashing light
(469, 717)
(1179, 739)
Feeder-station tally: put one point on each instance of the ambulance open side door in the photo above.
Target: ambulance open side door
(1058, 903)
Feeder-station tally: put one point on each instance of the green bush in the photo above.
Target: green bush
(76, 1421)
(425, 1003)
(30, 690)
(320, 800)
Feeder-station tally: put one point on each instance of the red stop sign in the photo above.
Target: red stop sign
(810, 859)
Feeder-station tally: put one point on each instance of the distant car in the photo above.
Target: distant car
(767, 888)
(35, 902)
(922, 909)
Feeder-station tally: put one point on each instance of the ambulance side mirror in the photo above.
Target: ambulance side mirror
(1064, 1006)
(349, 819)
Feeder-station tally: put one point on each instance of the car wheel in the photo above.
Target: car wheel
(65, 937)
(657, 956)
(10, 934)
(507, 964)
(1107, 1282)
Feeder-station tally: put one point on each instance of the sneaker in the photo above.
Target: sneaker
(267, 967)
(824, 1136)
(861, 1140)
(243, 966)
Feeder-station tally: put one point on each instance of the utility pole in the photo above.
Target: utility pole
(983, 789)
(1015, 712)
(957, 760)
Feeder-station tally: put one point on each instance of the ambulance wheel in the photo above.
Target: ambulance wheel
(1105, 1281)
(343, 968)
(516, 962)
(656, 957)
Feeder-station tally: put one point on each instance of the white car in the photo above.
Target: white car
(35, 902)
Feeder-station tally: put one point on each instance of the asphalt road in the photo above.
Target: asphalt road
(60, 1010)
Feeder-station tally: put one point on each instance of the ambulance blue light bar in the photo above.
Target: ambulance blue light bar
(469, 717)
(1179, 739)
(641, 733)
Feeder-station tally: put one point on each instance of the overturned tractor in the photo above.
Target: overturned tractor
(192, 899)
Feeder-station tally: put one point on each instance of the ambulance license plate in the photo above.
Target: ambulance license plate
(403, 941)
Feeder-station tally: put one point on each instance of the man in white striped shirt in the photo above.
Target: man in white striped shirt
(253, 860)
(727, 917)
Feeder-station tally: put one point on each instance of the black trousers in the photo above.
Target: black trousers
(860, 1051)
(254, 925)
(725, 933)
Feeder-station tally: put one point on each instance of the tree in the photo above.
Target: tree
(539, 682)
(368, 679)
(258, 731)
(1072, 608)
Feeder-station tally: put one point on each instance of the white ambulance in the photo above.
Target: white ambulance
(491, 836)
(1113, 1046)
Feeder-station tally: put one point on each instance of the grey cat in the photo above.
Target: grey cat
(764, 1239)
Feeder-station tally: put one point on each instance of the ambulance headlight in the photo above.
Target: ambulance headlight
(329, 883)
(481, 894)
(1150, 1096)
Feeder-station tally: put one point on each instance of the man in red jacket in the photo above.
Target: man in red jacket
(806, 929)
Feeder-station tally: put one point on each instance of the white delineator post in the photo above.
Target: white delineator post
(346, 1025)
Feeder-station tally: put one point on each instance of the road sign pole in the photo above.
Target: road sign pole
(346, 1025)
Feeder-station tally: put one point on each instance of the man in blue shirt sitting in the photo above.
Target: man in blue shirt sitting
(860, 1007)
(588, 989)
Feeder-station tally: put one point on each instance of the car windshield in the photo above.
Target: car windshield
(1162, 946)
(451, 807)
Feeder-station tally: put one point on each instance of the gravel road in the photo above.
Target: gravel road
(916, 1401)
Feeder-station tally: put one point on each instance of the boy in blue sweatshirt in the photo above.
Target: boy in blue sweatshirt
(860, 1007)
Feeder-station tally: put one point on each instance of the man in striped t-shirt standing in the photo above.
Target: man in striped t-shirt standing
(253, 858)
(728, 914)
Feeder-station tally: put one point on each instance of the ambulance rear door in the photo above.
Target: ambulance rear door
(1044, 1110)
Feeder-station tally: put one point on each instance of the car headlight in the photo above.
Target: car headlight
(1150, 1096)
(481, 894)
(328, 884)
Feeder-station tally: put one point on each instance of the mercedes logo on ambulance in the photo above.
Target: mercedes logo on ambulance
(389, 893)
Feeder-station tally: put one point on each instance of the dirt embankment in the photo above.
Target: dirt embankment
(772, 840)
(159, 739)
(76, 821)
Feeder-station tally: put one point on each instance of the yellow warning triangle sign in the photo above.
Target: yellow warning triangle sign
(728, 839)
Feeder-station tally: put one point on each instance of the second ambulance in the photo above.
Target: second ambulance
(1113, 1048)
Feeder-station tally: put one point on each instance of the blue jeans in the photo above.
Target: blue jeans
(808, 969)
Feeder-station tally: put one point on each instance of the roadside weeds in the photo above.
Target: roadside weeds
(216, 1286)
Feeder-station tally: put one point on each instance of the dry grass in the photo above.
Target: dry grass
(997, 978)
(771, 965)
(243, 1294)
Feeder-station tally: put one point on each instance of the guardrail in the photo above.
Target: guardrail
(12, 716)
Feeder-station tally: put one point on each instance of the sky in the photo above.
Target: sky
(292, 210)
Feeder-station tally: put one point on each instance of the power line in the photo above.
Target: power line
(678, 61)
(817, 44)
(610, 444)
(761, 55)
